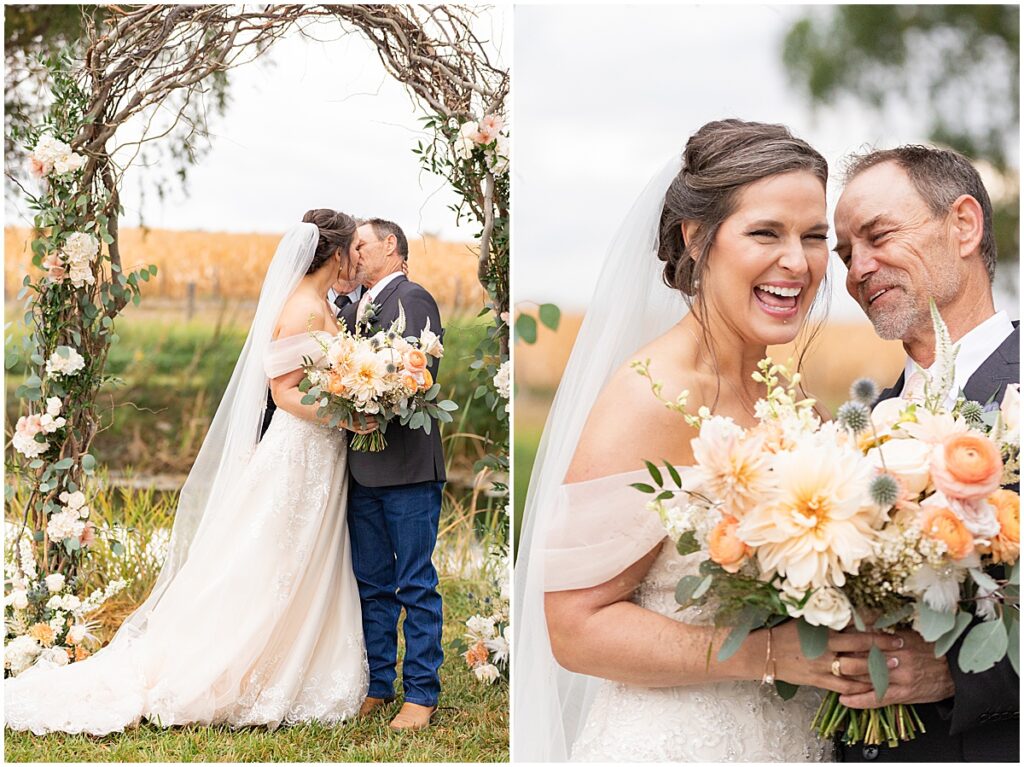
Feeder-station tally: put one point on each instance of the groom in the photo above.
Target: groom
(394, 501)
(915, 223)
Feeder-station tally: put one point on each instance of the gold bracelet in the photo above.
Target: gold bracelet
(769, 662)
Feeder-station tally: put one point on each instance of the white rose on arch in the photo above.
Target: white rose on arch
(65, 361)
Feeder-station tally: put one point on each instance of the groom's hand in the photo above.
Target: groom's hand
(918, 676)
(353, 426)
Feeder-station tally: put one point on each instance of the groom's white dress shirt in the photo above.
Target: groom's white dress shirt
(353, 296)
(371, 295)
(975, 347)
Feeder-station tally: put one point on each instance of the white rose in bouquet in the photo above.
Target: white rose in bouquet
(909, 460)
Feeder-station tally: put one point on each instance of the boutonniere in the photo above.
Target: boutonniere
(371, 315)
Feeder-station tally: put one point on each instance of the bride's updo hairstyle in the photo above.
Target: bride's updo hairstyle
(336, 232)
(719, 160)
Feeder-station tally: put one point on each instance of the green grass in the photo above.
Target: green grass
(470, 726)
(172, 375)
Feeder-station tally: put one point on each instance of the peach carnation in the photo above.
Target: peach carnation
(477, 654)
(43, 634)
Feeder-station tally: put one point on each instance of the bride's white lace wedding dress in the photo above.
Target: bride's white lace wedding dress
(721, 722)
(261, 624)
(604, 523)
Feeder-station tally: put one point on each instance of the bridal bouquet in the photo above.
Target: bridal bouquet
(384, 375)
(886, 517)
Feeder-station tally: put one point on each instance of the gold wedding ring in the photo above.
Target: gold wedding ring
(835, 667)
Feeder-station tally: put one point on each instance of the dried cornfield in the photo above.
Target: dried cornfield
(841, 353)
(219, 265)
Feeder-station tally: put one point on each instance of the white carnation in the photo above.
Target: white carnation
(54, 583)
(20, 653)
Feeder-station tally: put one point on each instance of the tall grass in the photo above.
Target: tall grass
(172, 374)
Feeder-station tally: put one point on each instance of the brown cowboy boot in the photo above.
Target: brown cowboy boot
(372, 704)
(413, 716)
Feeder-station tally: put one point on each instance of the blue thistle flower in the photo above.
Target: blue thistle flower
(854, 416)
(864, 390)
(884, 490)
(971, 411)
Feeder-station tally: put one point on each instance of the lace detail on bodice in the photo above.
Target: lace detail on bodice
(715, 722)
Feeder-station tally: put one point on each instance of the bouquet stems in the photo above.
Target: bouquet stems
(373, 442)
(889, 725)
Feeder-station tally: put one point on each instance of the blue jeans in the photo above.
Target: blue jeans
(393, 532)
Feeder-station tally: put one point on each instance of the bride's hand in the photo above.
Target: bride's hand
(791, 665)
(353, 426)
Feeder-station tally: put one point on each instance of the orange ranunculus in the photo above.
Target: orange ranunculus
(941, 524)
(428, 380)
(80, 652)
(410, 383)
(725, 548)
(477, 654)
(415, 361)
(967, 466)
(334, 384)
(1006, 545)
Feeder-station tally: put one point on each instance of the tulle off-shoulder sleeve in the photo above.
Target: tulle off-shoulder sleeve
(285, 354)
(599, 528)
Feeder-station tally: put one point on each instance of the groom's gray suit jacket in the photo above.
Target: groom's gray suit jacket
(981, 723)
(411, 455)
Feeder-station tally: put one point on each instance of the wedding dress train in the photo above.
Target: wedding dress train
(261, 624)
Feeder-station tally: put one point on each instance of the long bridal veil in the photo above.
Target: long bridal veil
(234, 431)
(631, 306)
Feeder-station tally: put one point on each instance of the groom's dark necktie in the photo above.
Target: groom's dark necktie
(341, 302)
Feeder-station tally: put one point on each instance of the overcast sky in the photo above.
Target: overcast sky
(311, 125)
(605, 95)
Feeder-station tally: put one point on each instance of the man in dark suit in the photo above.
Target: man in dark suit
(394, 501)
(915, 223)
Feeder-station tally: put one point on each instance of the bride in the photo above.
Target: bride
(255, 616)
(607, 667)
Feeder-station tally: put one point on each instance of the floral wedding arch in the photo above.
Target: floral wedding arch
(161, 57)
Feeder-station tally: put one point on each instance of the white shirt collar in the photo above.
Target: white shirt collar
(976, 346)
(381, 284)
(354, 296)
